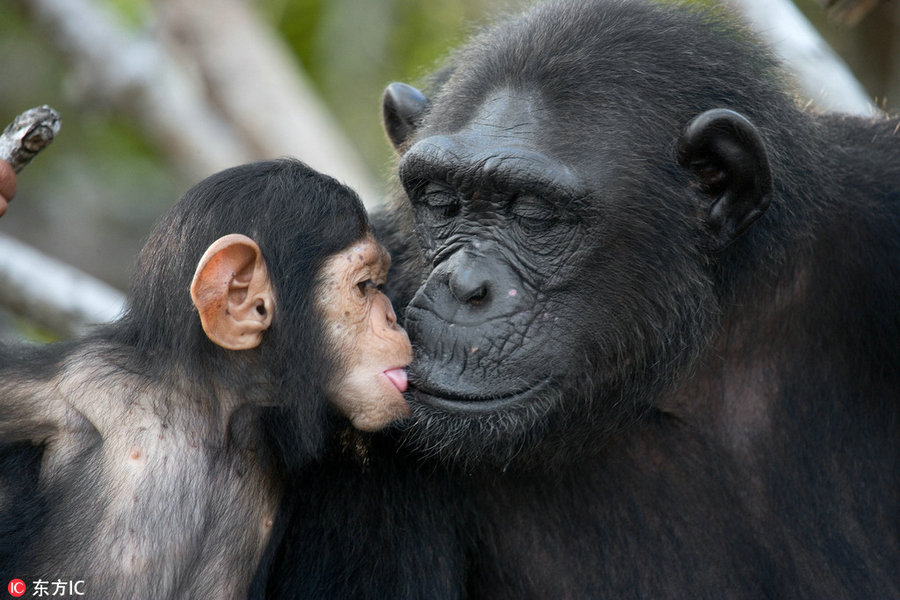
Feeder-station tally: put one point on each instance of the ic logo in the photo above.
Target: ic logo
(16, 588)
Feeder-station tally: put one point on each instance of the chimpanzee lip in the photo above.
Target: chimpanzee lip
(447, 400)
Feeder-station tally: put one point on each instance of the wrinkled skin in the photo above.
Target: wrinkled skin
(533, 277)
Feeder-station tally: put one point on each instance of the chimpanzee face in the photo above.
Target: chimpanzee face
(360, 324)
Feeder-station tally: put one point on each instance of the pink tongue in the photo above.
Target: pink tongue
(397, 377)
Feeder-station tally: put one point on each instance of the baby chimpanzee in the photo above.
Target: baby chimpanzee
(147, 460)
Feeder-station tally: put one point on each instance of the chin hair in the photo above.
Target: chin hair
(496, 438)
(544, 431)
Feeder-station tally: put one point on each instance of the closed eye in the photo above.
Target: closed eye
(534, 214)
(365, 286)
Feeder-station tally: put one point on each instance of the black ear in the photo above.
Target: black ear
(726, 153)
(402, 108)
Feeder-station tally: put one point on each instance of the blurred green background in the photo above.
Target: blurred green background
(93, 196)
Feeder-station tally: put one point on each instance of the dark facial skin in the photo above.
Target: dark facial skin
(498, 229)
(501, 233)
(530, 274)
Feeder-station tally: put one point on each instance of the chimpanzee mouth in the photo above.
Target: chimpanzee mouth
(449, 401)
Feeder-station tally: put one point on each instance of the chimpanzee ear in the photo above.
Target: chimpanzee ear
(402, 109)
(232, 293)
(727, 155)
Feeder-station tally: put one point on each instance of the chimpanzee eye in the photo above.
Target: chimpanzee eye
(534, 214)
(441, 201)
(365, 286)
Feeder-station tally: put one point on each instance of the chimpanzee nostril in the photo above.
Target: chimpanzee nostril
(469, 287)
(478, 297)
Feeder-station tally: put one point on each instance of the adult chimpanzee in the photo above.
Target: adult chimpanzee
(147, 460)
(656, 334)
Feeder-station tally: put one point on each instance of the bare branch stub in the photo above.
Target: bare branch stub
(28, 134)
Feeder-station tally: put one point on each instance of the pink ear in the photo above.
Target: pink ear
(232, 293)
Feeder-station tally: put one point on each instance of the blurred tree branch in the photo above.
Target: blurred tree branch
(821, 74)
(258, 87)
(54, 295)
(212, 93)
(136, 76)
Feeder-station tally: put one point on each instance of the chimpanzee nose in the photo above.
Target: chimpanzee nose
(469, 286)
(390, 316)
(472, 286)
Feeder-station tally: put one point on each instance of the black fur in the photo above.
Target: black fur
(712, 414)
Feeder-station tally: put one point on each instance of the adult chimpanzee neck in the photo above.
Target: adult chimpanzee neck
(654, 306)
